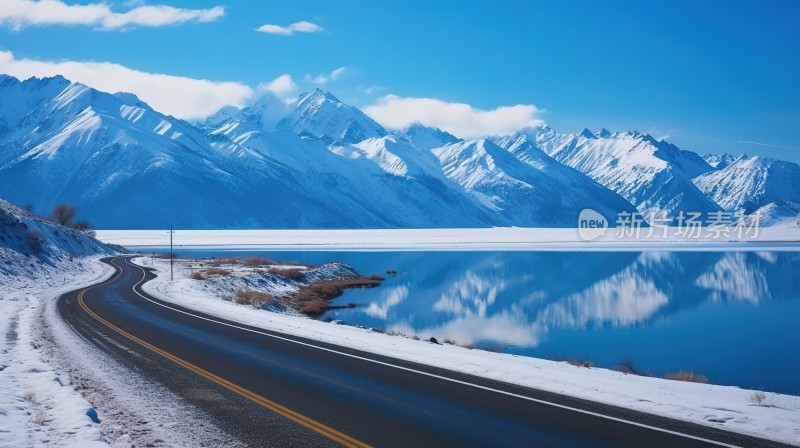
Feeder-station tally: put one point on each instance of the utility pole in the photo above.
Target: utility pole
(171, 255)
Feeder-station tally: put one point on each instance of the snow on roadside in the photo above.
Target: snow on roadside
(51, 377)
(37, 404)
(726, 407)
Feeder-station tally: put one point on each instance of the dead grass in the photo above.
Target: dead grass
(314, 299)
(291, 274)
(218, 271)
(580, 363)
(197, 276)
(690, 377)
(30, 397)
(222, 261)
(254, 298)
(449, 341)
(257, 262)
(314, 306)
(166, 256)
(467, 346)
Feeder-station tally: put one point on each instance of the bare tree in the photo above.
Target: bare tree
(63, 214)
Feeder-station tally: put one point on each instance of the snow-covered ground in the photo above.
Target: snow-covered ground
(50, 377)
(731, 408)
(38, 405)
(498, 238)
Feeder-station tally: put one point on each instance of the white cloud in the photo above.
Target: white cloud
(462, 120)
(297, 27)
(182, 97)
(324, 78)
(283, 87)
(21, 13)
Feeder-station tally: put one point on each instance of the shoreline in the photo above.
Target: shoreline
(505, 238)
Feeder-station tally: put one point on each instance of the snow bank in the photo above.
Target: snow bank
(724, 407)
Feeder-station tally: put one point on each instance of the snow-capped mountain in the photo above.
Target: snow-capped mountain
(322, 115)
(378, 182)
(719, 161)
(123, 164)
(424, 137)
(529, 193)
(319, 163)
(653, 175)
(752, 182)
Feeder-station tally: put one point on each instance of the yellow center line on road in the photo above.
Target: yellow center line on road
(258, 399)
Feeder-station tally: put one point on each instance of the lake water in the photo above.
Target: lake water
(732, 316)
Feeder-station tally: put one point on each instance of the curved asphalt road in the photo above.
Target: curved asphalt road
(270, 389)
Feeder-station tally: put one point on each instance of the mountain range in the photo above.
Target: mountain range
(319, 163)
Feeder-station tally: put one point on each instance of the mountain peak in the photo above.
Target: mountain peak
(587, 133)
(317, 95)
(603, 133)
(424, 137)
(131, 99)
(319, 113)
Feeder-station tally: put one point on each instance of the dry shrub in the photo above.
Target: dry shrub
(687, 376)
(580, 362)
(30, 397)
(449, 341)
(291, 274)
(40, 418)
(222, 261)
(257, 262)
(197, 276)
(255, 298)
(218, 271)
(758, 398)
(467, 346)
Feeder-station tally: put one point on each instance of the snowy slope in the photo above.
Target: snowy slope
(779, 213)
(322, 115)
(752, 182)
(653, 175)
(30, 245)
(529, 193)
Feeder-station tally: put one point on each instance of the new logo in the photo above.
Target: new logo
(591, 225)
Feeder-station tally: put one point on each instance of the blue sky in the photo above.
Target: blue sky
(711, 76)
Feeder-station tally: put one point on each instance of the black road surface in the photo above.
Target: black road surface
(272, 389)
